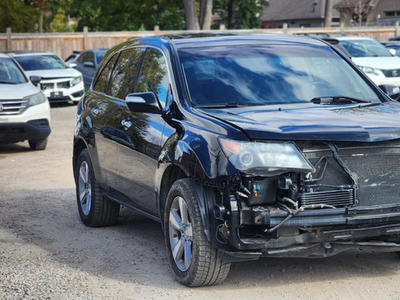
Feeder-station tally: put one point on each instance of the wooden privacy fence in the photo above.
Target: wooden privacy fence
(64, 43)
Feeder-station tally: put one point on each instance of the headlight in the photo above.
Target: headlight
(76, 80)
(265, 158)
(35, 99)
(369, 70)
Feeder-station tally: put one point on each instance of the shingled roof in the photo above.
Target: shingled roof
(282, 10)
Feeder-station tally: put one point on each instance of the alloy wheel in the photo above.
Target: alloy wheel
(85, 188)
(180, 233)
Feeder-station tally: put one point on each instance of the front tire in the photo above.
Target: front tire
(94, 209)
(194, 261)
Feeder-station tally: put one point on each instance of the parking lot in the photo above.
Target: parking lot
(47, 253)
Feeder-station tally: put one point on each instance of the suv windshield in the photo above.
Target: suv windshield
(263, 75)
(365, 48)
(9, 72)
(40, 62)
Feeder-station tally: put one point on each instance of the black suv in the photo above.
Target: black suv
(241, 147)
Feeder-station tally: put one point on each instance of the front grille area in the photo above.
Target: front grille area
(13, 107)
(391, 73)
(45, 86)
(54, 86)
(377, 169)
(63, 85)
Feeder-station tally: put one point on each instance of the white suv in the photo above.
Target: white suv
(59, 82)
(373, 58)
(24, 109)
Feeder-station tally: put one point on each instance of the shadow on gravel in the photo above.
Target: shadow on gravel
(134, 250)
(14, 148)
(61, 104)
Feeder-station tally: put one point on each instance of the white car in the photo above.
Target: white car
(59, 82)
(24, 109)
(373, 58)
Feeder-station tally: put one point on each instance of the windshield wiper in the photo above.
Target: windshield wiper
(338, 100)
(222, 105)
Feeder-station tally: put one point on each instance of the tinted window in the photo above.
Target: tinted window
(9, 72)
(99, 56)
(86, 57)
(81, 58)
(154, 75)
(40, 62)
(365, 48)
(102, 81)
(124, 75)
(259, 75)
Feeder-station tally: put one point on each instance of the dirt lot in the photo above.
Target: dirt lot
(46, 252)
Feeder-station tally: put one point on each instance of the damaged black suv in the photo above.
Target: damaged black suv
(241, 147)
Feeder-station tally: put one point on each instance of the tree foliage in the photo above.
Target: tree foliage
(121, 15)
(35, 15)
(240, 14)
(17, 15)
(355, 12)
(115, 15)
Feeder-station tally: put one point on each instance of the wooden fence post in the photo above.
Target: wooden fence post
(9, 42)
(397, 29)
(156, 30)
(85, 38)
(285, 28)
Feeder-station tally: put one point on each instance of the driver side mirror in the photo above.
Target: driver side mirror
(35, 79)
(393, 52)
(391, 90)
(88, 64)
(143, 102)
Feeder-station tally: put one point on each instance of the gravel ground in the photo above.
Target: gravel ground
(46, 252)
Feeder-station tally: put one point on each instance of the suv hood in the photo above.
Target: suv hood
(368, 123)
(17, 91)
(382, 63)
(55, 73)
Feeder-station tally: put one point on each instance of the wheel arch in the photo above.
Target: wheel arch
(171, 174)
(79, 145)
(207, 196)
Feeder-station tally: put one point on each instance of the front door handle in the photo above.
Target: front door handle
(95, 111)
(126, 124)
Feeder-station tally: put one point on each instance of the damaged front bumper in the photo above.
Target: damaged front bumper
(316, 233)
(350, 202)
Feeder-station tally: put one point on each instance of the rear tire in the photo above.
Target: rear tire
(192, 258)
(38, 145)
(94, 209)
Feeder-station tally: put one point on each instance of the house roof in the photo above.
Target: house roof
(282, 10)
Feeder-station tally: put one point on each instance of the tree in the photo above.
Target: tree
(195, 21)
(328, 13)
(240, 13)
(355, 12)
